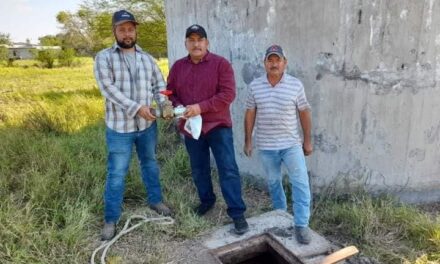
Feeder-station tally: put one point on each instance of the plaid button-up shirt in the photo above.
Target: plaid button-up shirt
(124, 95)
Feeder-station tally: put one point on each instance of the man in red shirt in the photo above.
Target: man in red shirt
(204, 83)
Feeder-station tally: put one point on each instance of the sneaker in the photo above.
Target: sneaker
(202, 209)
(161, 209)
(240, 225)
(303, 235)
(108, 231)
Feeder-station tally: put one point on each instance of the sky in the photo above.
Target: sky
(31, 19)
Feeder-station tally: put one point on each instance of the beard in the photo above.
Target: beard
(125, 45)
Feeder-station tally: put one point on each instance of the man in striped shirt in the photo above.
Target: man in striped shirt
(129, 79)
(273, 103)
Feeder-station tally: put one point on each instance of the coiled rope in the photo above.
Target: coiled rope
(165, 220)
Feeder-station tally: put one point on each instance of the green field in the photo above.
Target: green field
(52, 173)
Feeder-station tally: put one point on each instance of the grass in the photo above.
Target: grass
(52, 173)
(381, 227)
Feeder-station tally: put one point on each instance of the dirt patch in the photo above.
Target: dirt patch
(153, 243)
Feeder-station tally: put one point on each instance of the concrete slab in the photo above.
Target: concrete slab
(279, 224)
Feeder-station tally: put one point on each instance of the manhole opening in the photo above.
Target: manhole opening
(255, 250)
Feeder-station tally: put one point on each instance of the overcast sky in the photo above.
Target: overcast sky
(31, 19)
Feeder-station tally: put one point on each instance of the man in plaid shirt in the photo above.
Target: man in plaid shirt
(129, 79)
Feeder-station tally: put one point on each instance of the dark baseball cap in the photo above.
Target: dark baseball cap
(197, 29)
(123, 16)
(274, 49)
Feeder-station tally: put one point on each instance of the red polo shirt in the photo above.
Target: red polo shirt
(209, 83)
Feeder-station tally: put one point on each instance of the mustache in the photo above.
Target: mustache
(274, 68)
(123, 43)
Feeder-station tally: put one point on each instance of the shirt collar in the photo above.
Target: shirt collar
(207, 57)
(282, 80)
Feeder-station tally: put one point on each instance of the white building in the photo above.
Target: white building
(26, 51)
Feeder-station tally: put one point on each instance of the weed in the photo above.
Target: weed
(381, 227)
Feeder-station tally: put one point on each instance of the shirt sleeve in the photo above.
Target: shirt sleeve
(301, 100)
(226, 90)
(157, 82)
(250, 100)
(105, 79)
(171, 85)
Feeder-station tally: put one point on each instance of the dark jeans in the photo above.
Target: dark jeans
(221, 143)
(120, 147)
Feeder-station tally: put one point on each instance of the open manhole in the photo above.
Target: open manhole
(255, 250)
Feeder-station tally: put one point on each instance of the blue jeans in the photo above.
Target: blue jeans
(119, 147)
(293, 159)
(221, 143)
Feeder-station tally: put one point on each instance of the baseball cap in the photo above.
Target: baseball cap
(274, 49)
(197, 29)
(123, 16)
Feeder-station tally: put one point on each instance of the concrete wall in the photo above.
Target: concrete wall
(370, 69)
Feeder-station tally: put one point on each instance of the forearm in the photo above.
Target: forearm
(249, 122)
(306, 124)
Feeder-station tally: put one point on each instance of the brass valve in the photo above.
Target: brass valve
(166, 109)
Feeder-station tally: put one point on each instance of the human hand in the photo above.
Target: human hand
(145, 113)
(192, 110)
(247, 149)
(307, 148)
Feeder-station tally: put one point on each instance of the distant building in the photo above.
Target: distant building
(26, 51)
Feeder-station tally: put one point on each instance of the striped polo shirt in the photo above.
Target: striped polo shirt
(127, 86)
(276, 118)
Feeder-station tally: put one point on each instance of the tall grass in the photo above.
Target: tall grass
(381, 227)
(50, 164)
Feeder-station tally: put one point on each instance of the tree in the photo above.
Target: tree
(76, 33)
(89, 29)
(5, 38)
(4, 53)
(101, 31)
(51, 40)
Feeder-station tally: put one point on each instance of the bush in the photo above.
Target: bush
(47, 57)
(4, 54)
(66, 57)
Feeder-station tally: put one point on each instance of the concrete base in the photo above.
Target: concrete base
(279, 224)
